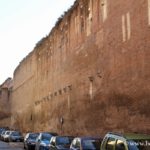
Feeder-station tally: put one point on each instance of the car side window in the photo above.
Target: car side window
(78, 143)
(51, 140)
(110, 144)
(54, 140)
(38, 138)
(120, 145)
(73, 143)
(27, 136)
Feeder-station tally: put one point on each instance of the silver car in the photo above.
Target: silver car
(6, 136)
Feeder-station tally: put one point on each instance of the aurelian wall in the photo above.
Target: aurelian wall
(90, 75)
(5, 102)
(23, 93)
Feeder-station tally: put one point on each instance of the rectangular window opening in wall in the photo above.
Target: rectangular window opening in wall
(89, 17)
(76, 24)
(126, 27)
(149, 12)
(123, 29)
(81, 20)
(104, 9)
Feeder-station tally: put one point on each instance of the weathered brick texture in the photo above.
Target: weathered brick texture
(5, 102)
(92, 70)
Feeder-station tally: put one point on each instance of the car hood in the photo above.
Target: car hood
(17, 136)
(45, 142)
(31, 140)
(63, 147)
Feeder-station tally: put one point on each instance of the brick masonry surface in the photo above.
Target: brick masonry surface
(90, 75)
(5, 102)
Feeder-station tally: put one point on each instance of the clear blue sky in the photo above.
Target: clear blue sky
(22, 24)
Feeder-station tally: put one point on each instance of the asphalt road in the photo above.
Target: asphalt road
(11, 146)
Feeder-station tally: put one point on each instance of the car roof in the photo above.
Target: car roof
(89, 137)
(136, 136)
(16, 131)
(52, 133)
(64, 136)
(48, 132)
(131, 136)
(33, 133)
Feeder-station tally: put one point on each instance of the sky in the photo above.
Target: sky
(22, 24)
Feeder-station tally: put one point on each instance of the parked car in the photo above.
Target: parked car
(1, 130)
(6, 136)
(116, 141)
(86, 143)
(2, 134)
(60, 142)
(29, 141)
(15, 136)
(43, 140)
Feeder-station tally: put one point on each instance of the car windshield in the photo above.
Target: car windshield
(33, 136)
(16, 133)
(46, 136)
(63, 140)
(139, 144)
(8, 133)
(3, 132)
(91, 144)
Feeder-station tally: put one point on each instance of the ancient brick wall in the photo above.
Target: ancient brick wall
(5, 102)
(92, 70)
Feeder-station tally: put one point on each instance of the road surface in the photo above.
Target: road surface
(11, 146)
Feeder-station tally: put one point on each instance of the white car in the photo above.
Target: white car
(6, 136)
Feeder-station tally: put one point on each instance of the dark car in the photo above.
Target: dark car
(29, 141)
(86, 143)
(43, 140)
(15, 136)
(60, 142)
(132, 141)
